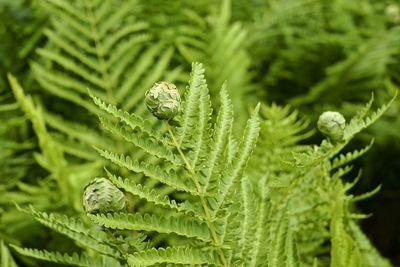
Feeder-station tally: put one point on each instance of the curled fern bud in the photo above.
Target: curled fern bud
(332, 124)
(102, 196)
(163, 100)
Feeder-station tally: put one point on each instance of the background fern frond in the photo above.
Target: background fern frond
(6, 259)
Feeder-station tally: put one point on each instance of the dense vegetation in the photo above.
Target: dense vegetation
(233, 171)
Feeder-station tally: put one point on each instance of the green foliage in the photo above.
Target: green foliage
(6, 260)
(214, 212)
(202, 188)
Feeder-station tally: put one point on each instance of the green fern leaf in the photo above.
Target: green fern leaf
(239, 162)
(250, 215)
(365, 195)
(151, 146)
(154, 196)
(83, 259)
(176, 255)
(75, 230)
(130, 119)
(360, 122)
(167, 177)
(255, 247)
(222, 132)
(370, 256)
(6, 259)
(180, 225)
(193, 96)
(344, 251)
(350, 156)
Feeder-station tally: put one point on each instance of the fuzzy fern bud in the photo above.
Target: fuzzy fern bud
(102, 196)
(332, 124)
(163, 100)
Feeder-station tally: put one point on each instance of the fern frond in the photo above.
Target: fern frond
(256, 248)
(167, 177)
(224, 52)
(365, 195)
(283, 247)
(283, 126)
(157, 69)
(344, 251)
(76, 230)
(242, 156)
(175, 255)
(350, 185)
(350, 156)
(51, 151)
(181, 225)
(130, 119)
(192, 98)
(370, 256)
(110, 56)
(292, 258)
(360, 121)
(154, 196)
(250, 215)
(365, 67)
(222, 132)
(6, 259)
(83, 259)
(151, 146)
(281, 129)
(85, 135)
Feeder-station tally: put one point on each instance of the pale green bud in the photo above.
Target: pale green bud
(332, 124)
(163, 100)
(102, 196)
(393, 13)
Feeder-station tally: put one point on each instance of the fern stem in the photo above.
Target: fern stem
(202, 199)
(100, 55)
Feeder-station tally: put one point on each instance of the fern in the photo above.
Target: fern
(366, 67)
(82, 53)
(210, 210)
(370, 255)
(200, 190)
(6, 259)
(74, 259)
(176, 255)
(209, 194)
(344, 250)
(220, 43)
